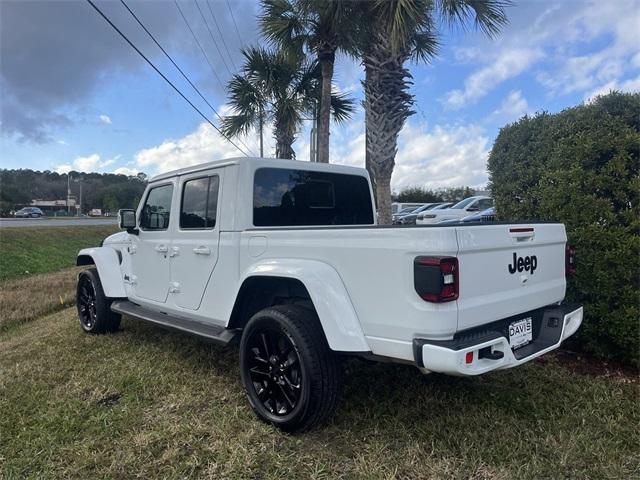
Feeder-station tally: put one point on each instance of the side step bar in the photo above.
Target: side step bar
(209, 331)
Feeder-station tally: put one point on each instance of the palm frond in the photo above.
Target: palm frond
(283, 23)
(425, 45)
(489, 15)
(342, 106)
(236, 125)
(402, 18)
(244, 96)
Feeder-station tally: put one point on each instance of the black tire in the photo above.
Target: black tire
(300, 346)
(94, 309)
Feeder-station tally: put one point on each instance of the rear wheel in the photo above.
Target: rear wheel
(94, 309)
(289, 373)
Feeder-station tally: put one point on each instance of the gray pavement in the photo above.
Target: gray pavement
(49, 222)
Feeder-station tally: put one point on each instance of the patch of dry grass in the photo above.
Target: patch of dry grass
(25, 299)
(148, 403)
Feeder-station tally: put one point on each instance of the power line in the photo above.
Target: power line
(221, 35)
(213, 39)
(206, 57)
(131, 44)
(234, 22)
(179, 69)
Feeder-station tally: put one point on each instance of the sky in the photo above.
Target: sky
(75, 96)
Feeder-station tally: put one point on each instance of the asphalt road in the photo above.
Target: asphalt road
(42, 222)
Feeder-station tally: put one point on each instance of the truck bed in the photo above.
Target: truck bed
(376, 265)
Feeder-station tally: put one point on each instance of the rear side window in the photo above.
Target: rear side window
(199, 203)
(157, 208)
(285, 197)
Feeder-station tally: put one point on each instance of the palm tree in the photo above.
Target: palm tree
(278, 88)
(319, 26)
(391, 33)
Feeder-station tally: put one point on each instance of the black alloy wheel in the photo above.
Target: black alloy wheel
(275, 371)
(86, 302)
(289, 373)
(94, 308)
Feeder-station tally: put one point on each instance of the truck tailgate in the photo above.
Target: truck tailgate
(508, 269)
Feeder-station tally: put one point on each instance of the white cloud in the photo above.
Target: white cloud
(578, 46)
(513, 107)
(90, 163)
(631, 85)
(105, 119)
(507, 64)
(203, 145)
(64, 168)
(439, 157)
(442, 157)
(610, 65)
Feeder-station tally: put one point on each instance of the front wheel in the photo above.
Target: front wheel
(289, 373)
(94, 309)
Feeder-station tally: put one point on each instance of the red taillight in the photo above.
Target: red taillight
(436, 278)
(468, 358)
(570, 260)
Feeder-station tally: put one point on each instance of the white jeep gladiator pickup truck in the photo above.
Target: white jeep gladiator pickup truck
(286, 257)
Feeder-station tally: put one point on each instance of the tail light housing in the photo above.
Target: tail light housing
(570, 260)
(436, 279)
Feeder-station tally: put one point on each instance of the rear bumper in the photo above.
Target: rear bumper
(490, 344)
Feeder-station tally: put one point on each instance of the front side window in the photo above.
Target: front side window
(157, 208)
(463, 203)
(484, 203)
(286, 197)
(199, 203)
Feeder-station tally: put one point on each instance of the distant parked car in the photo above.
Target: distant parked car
(29, 212)
(438, 206)
(404, 211)
(397, 207)
(460, 210)
(410, 218)
(487, 215)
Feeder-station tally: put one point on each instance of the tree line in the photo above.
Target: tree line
(292, 78)
(106, 191)
(425, 195)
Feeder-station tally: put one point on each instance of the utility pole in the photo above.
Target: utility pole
(313, 140)
(80, 205)
(261, 131)
(68, 192)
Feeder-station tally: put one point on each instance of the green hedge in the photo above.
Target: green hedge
(581, 167)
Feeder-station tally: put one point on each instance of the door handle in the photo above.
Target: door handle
(162, 249)
(202, 251)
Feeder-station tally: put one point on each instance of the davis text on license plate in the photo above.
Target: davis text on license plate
(520, 332)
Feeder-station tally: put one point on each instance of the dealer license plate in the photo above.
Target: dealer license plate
(520, 333)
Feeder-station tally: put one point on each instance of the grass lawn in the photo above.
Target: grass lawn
(32, 250)
(156, 404)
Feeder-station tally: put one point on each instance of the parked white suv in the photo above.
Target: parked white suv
(457, 212)
(286, 257)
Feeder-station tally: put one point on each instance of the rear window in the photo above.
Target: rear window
(286, 197)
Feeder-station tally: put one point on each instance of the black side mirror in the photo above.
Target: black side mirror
(473, 209)
(127, 220)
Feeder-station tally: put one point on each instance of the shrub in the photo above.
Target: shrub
(581, 167)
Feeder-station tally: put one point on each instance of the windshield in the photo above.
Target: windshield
(406, 210)
(463, 203)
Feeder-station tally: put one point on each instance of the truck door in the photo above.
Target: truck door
(149, 250)
(194, 247)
